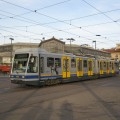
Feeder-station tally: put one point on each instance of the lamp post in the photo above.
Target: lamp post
(95, 43)
(98, 35)
(11, 49)
(95, 40)
(71, 40)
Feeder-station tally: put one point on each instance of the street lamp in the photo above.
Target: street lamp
(11, 49)
(95, 40)
(98, 35)
(95, 43)
(71, 40)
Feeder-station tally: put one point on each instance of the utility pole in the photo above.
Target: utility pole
(71, 40)
(95, 40)
(95, 43)
(11, 50)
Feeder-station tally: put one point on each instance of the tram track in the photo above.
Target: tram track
(32, 97)
(45, 96)
(42, 98)
(20, 88)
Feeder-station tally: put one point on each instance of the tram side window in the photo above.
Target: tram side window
(107, 65)
(110, 64)
(50, 62)
(32, 66)
(73, 63)
(93, 64)
(58, 62)
(42, 64)
(101, 67)
(104, 64)
(116, 65)
(98, 64)
(85, 63)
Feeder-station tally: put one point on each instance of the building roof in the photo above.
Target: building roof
(72, 45)
(20, 43)
(90, 48)
(112, 50)
(53, 38)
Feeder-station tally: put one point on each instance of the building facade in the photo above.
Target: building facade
(53, 45)
(115, 52)
(56, 46)
(7, 49)
(81, 50)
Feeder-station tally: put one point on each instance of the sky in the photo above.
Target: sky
(84, 21)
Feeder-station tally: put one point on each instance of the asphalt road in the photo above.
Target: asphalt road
(87, 100)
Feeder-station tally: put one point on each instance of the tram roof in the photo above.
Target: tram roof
(39, 50)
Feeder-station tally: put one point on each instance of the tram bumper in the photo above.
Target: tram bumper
(17, 81)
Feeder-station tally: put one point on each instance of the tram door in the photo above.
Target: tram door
(79, 67)
(101, 67)
(90, 67)
(65, 67)
(113, 67)
(108, 65)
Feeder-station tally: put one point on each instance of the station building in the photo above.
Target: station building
(6, 49)
(51, 45)
(115, 52)
(58, 46)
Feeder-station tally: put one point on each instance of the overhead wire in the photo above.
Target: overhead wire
(63, 20)
(40, 14)
(46, 16)
(21, 35)
(100, 11)
(58, 3)
(37, 24)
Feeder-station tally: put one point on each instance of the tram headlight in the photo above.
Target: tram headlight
(23, 76)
